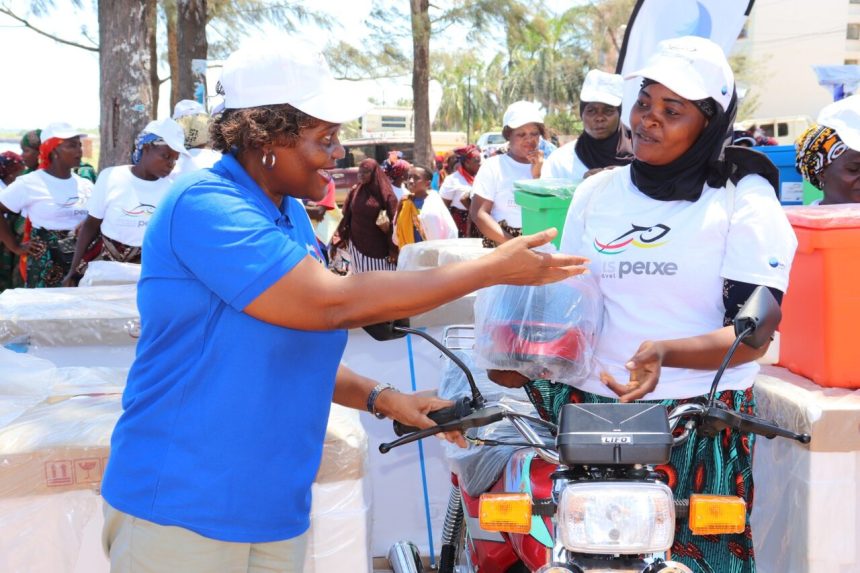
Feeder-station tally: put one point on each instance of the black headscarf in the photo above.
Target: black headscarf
(709, 160)
(596, 153)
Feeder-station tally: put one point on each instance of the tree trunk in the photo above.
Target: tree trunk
(152, 22)
(172, 53)
(191, 45)
(421, 81)
(124, 77)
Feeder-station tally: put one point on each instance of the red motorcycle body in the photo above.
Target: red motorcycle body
(493, 552)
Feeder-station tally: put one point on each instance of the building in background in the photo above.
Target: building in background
(785, 38)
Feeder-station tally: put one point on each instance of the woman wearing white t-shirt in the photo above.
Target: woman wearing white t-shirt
(54, 198)
(493, 209)
(677, 241)
(604, 142)
(126, 196)
(456, 189)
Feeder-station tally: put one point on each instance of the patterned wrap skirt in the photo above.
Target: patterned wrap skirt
(721, 465)
(512, 231)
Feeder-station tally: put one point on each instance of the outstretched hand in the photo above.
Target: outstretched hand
(517, 263)
(412, 410)
(644, 370)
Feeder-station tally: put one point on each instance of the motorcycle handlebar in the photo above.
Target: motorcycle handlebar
(478, 418)
(460, 409)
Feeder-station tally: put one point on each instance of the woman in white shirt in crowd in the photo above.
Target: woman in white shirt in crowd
(493, 209)
(604, 142)
(456, 189)
(126, 196)
(54, 198)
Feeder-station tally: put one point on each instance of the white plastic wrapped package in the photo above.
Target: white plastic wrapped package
(542, 332)
(101, 273)
(478, 467)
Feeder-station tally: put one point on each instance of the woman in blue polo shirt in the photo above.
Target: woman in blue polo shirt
(243, 328)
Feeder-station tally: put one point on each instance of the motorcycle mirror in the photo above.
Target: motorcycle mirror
(762, 314)
(389, 330)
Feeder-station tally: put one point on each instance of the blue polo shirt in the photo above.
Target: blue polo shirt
(224, 415)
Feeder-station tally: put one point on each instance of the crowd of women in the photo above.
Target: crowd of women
(205, 472)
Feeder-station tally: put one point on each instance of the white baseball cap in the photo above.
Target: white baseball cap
(187, 107)
(60, 130)
(602, 87)
(694, 68)
(522, 112)
(293, 73)
(170, 131)
(844, 117)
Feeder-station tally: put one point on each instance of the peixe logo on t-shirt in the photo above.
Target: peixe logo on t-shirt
(71, 203)
(137, 216)
(640, 237)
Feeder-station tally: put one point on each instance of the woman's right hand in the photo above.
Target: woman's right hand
(517, 263)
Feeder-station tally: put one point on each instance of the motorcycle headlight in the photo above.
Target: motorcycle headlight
(620, 517)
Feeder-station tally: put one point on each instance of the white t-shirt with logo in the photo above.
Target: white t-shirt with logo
(661, 264)
(453, 188)
(50, 203)
(564, 163)
(125, 203)
(495, 182)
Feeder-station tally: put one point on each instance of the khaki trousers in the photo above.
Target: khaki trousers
(138, 546)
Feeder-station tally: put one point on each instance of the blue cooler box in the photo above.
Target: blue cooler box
(790, 181)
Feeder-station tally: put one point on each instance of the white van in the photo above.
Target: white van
(784, 129)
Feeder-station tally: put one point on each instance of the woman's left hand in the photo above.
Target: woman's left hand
(644, 370)
(412, 410)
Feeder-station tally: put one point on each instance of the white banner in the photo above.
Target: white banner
(656, 20)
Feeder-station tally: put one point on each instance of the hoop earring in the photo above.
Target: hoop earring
(269, 161)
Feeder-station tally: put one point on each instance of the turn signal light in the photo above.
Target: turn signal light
(717, 514)
(510, 512)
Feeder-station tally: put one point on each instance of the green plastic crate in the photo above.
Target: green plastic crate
(544, 204)
(811, 193)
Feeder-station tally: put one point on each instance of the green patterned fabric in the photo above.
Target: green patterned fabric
(721, 466)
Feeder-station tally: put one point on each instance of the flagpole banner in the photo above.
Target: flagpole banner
(655, 20)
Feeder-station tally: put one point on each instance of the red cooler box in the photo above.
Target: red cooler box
(821, 310)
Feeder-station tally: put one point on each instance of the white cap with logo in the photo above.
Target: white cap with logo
(170, 131)
(602, 87)
(522, 112)
(843, 116)
(60, 130)
(293, 73)
(694, 68)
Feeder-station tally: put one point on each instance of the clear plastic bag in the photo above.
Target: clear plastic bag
(542, 332)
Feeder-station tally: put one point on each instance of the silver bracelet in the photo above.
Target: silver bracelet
(374, 394)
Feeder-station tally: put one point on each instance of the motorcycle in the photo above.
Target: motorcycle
(582, 496)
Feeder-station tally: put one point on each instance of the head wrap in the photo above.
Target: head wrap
(816, 148)
(143, 138)
(45, 151)
(464, 153)
(10, 162)
(31, 139)
(399, 169)
(196, 128)
(709, 160)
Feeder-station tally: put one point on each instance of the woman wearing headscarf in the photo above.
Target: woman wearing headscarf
(828, 153)
(54, 199)
(243, 328)
(398, 172)
(493, 209)
(126, 196)
(366, 229)
(678, 241)
(30, 143)
(194, 120)
(456, 190)
(604, 142)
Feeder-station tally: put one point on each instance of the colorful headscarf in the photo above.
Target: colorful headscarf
(10, 162)
(45, 151)
(464, 153)
(816, 148)
(399, 169)
(143, 138)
